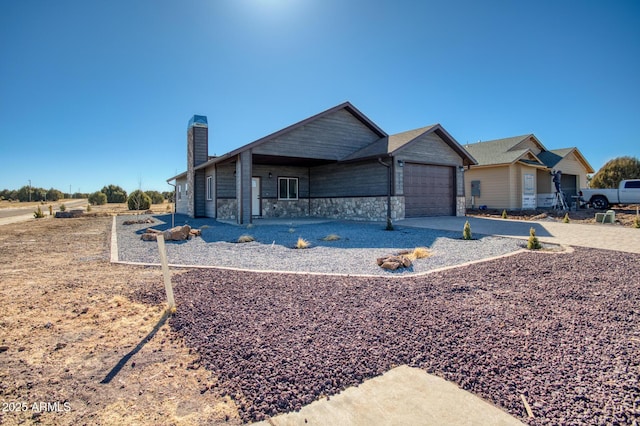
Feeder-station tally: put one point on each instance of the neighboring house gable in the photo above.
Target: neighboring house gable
(515, 173)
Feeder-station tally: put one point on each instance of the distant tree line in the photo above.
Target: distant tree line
(31, 193)
(108, 194)
(138, 198)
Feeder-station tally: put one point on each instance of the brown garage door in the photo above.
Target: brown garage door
(428, 190)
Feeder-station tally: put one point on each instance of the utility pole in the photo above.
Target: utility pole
(29, 190)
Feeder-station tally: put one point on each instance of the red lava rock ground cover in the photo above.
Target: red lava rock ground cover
(561, 329)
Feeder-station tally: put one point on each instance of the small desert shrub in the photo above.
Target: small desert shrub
(419, 253)
(566, 218)
(138, 200)
(302, 243)
(466, 231)
(50, 210)
(533, 243)
(331, 237)
(88, 207)
(246, 238)
(38, 213)
(63, 207)
(636, 222)
(504, 214)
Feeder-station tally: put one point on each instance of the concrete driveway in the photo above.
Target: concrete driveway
(600, 236)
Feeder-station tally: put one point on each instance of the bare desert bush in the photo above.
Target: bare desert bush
(246, 238)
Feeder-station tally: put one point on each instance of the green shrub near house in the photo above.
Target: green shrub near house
(533, 243)
(466, 231)
(138, 200)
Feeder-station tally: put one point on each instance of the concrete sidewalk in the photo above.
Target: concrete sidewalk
(600, 236)
(401, 396)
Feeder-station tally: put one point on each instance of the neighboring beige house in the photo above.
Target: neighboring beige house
(515, 173)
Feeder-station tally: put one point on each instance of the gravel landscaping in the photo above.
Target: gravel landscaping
(562, 329)
(354, 253)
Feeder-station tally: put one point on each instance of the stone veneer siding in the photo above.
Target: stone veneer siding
(461, 207)
(358, 208)
(227, 208)
(351, 208)
(272, 207)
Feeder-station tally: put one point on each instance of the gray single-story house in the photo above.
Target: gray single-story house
(336, 164)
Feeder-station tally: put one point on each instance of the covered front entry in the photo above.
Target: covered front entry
(428, 190)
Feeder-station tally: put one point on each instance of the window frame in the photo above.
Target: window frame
(209, 188)
(179, 197)
(288, 180)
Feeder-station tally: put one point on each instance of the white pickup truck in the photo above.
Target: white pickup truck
(627, 193)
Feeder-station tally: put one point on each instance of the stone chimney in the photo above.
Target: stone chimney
(197, 153)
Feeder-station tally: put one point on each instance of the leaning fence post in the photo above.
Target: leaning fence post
(165, 272)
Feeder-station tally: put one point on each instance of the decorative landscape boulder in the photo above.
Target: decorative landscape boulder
(393, 262)
(177, 233)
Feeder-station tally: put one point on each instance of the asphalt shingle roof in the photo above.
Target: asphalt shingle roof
(389, 144)
(499, 151)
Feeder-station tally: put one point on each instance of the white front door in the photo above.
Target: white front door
(255, 196)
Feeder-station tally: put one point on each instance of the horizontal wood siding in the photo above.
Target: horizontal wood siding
(201, 145)
(182, 203)
(429, 149)
(270, 184)
(226, 181)
(331, 137)
(515, 201)
(494, 186)
(570, 165)
(199, 188)
(210, 205)
(544, 182)
(367, 178)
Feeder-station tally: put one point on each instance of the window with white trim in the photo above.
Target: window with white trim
(287, 188)
(179, 197)
(209, 188)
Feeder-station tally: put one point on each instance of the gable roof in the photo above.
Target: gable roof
(347, 106)
(504, 151)
(553, 157)
(385, 145)
(390, 145)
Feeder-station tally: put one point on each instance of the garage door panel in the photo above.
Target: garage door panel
(428, 190)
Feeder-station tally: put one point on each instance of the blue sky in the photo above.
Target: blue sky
(100, 92)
